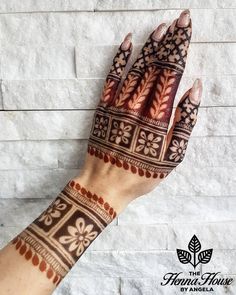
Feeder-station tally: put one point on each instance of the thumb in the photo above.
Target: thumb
(184, 121)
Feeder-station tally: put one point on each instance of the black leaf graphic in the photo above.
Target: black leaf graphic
(184, 256)
(194, 245)
(205, 256)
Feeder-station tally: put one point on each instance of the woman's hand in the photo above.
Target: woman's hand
(132, 145)
(132, 148)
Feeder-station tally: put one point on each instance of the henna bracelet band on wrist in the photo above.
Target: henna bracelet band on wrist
(60, 235)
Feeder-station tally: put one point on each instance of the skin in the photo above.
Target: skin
(17, 276)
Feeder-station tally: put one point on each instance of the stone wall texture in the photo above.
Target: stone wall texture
(54, 56)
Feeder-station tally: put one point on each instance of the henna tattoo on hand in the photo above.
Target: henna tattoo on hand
(60, 235)
(131, 132)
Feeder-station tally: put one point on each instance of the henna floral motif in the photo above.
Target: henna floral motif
(120, 133)
(100, 126)
(148, 144)
(138, 117)
(53, 211)
(80, 236)
(178, 149)
(54, 245)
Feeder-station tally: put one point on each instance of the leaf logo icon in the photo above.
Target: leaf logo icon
(194, 247)
(184, 256)
(205, 256)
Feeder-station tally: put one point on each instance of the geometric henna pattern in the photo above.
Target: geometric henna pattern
(186, 117)
(60, 235)
(137, 143)
(131, 130)
(115, 75)
(172, 51)
(145, 57)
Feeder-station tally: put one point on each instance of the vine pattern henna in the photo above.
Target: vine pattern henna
(138, 144)
(60, 235)
(131, 132)
(137, 71)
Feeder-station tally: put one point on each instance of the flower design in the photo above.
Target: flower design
(178, 149)
(80, 236)
(148, 143)
(53, 211)
(100, 126)
(188, 107)
(120, 133)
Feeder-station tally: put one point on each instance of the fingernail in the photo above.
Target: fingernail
(159, 32)
(184, 18)
(196, 91)
(127, 42)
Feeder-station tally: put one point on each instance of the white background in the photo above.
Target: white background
(54, 56)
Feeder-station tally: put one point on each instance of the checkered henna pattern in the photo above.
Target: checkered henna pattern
(60, 235)
(130, 131)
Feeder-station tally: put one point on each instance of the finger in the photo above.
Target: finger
(148, 51)
(138, 69)
(170, 59)
(184, 121)
(117, 69)
(172, 52)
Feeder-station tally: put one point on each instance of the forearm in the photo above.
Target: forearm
(49, 247)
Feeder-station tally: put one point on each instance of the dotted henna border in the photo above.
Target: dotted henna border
(36, 259)
(99, 200)
(123, 164)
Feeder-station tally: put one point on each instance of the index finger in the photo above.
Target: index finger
(171, 59)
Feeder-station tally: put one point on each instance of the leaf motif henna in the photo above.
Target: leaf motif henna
(135, 135)
(127, 89)
(162, 94)
(107, 91)
(143, 89)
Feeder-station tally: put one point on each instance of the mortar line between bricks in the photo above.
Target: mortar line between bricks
(170, 197)
(90, 109)
(97, 10)
(78, 168)
(163, 9)
(119, 286)
(1, 96)
(152, 225)
(77, 79)
(75, 62)
(86, 139)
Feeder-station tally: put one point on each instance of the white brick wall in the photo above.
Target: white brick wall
(50, 83)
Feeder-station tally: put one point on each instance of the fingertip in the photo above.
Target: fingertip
(126, 44)
(196, 92)
(184, 18)
(159, 32)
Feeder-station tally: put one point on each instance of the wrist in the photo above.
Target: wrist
(103, 190)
